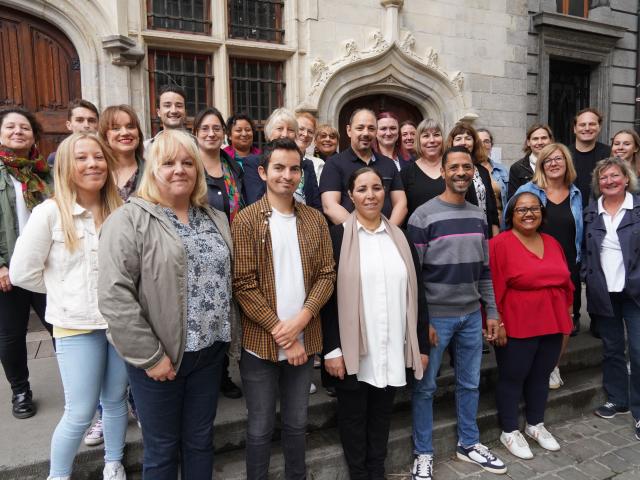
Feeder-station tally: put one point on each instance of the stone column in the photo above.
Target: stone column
(391, 26)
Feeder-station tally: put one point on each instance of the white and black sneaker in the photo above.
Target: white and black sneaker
(481, 456)
(422, 467)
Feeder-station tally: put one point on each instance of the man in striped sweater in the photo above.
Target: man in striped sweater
(450, 235)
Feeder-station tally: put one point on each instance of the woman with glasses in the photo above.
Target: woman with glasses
(533, 290)
(612, 275)
(553, 183)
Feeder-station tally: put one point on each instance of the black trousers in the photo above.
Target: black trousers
(15, 306)
(524, 366)
(364, 416)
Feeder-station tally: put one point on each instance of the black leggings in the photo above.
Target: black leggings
(15, 307)
(524, 366)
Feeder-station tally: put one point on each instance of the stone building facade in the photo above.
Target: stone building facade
(495, 62)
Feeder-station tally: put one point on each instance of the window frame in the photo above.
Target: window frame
(565, 8)
(206, 21)
(278, 28)
(152, 70)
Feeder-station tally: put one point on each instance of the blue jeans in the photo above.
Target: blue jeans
(262, 381)
(615, 377)
(91, 369)
(466, 331)
(177, 416)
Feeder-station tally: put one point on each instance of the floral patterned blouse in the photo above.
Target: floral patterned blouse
(208, 280)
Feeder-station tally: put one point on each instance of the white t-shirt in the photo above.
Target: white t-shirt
(22, 212)
(287, 268)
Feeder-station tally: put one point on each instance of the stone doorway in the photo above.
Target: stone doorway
(378, 103)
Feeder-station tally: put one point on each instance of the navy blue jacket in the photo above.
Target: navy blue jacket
(598, 301)
(255, 187)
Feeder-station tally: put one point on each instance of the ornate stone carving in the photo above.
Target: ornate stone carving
(432, 58)
(458, 80)
(379, 43)
(351, 50)
(408, 43)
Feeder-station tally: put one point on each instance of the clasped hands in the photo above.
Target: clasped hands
(285, 334)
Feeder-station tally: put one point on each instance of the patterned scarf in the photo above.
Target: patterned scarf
(232, 190)
(31, 173)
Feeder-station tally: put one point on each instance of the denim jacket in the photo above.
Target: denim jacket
(576, 208)
(501, 175)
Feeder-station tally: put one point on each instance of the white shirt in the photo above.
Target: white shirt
(22, 212)
(383, 279)
(42, 263)
(611, 254)
(287, 269)
(532, 161)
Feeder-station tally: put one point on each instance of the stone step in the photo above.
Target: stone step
(583, 354)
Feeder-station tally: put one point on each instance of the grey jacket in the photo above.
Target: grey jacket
(142, 284)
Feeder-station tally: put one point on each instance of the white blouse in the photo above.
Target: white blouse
(383, 278)
(610, 253)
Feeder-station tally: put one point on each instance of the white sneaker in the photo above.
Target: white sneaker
(114, 471)
(516, 444)
(68, 477)
(422, 467)
(312, 388)
(95, 435)
(555, 380)
(542, 436)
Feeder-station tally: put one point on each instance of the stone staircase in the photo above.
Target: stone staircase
(581, 393)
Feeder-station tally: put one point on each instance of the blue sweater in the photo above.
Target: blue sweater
(452, 245)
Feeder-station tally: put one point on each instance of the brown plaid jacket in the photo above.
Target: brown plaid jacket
(254, 281)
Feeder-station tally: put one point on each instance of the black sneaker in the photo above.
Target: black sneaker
(638, 429)
(610, 410)
(229, 389)
(481, 456)
(22, 405)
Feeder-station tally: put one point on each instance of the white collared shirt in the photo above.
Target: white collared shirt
(533, 160)
(383, 279)
(22, 212)
(41, 262)
(611, 254)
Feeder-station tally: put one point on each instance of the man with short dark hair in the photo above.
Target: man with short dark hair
(333, 184)
(451, 237)
(171, 109)
(587, 151)
(82, 117)
(283, 274)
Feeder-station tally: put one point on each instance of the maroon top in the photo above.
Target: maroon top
(533, 294)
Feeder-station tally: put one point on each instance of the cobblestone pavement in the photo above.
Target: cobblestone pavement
(591, 449)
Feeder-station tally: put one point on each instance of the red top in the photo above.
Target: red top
(533, 294)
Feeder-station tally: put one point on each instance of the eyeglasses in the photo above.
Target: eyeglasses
(614, 177)
(549, 161)
(522, 211)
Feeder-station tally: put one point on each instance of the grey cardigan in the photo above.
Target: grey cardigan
(142, 284)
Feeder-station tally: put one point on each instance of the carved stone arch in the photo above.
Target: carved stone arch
(393, 71)
(84, 23)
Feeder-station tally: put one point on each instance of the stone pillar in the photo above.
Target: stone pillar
(391, 26)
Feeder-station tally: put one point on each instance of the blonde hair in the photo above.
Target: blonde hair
(309, 116)
(540, 178)
(625, 170)
(426, 125)
(165, 147)
(65, 190)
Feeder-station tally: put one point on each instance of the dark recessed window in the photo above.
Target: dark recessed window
(259, 20)
(579, 8)
(257, 88)
(193, 16)
(189, 70)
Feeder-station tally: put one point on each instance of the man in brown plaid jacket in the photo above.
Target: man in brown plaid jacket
(282, 275)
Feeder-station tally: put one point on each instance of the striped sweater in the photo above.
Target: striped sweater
(452, 245)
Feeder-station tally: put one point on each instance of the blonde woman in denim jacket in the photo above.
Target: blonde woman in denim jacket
(58, 254)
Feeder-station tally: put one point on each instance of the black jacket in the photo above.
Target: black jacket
(519, 174)
(330, 321)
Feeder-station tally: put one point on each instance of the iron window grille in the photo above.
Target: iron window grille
(259, 20)
(190, 71)
(192, 16)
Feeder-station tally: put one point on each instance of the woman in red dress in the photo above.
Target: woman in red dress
(534, 295)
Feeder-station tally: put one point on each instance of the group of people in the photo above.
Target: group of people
(152, 263)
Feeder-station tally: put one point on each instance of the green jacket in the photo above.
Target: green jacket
(8, 217)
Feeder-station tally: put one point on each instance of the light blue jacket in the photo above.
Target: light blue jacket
(575, 199)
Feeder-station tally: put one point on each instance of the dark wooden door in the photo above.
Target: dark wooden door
(568, 93)
(39, 71)
(378, 103)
